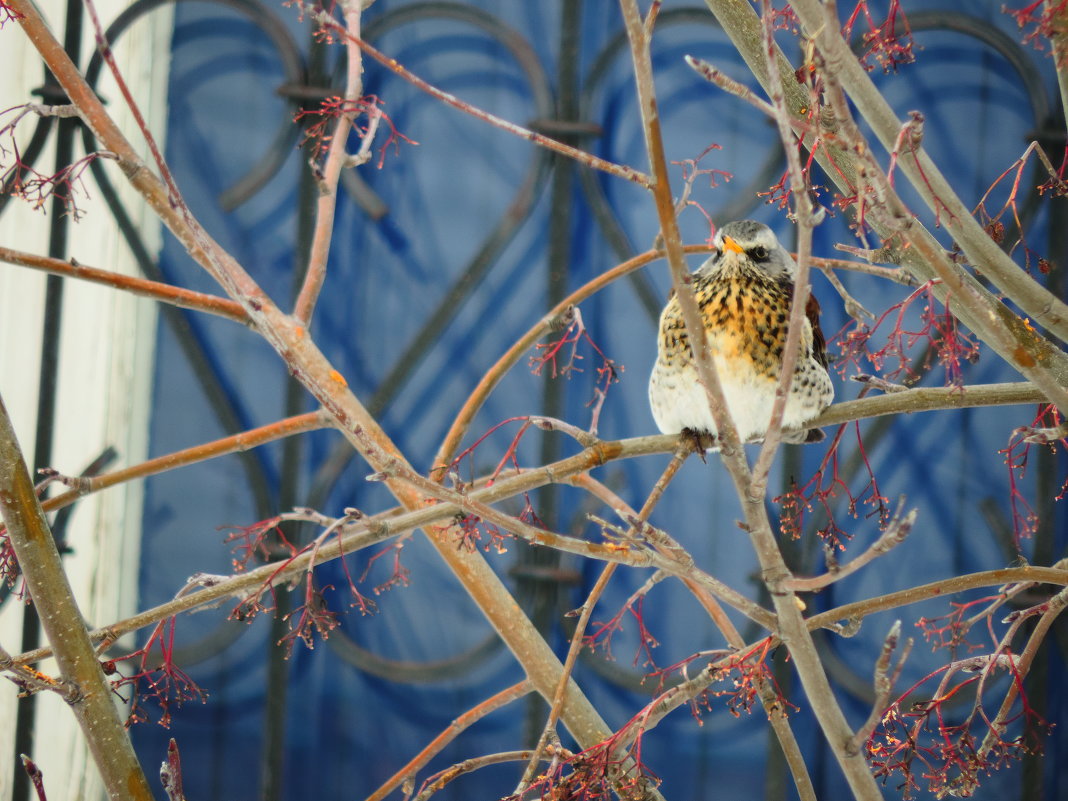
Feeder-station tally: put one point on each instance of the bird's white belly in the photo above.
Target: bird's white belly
(678, 401)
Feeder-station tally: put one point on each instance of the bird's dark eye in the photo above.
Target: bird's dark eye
(759, 253)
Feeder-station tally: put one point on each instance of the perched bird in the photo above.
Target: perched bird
(744, 292)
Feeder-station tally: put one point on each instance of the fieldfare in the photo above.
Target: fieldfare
(744, 292)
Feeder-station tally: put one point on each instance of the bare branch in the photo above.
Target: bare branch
(43, 572)
(164, 293)
(852, 305)
(337, 159)
(728, 84)
(458, 726)
(895, 274)
(893, 535)
(469, 765)
(85, 485)
(581, 156)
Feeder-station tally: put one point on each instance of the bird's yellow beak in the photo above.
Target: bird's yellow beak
(731, 245)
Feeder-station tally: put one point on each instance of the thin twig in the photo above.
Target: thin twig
(728, 84)
(1050, 610)
(581, 156)
(896, 274)
(893, 535)
(476, 763)
(807, 218)
(883, 683)
(246, 440)
(164, 293)
(104, 47)
(336, 160)
(852, 306)
(457, 727)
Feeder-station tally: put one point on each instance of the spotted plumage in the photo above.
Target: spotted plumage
(744, 292)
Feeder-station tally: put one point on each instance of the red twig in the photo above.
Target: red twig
(28, 765)
(170, 773)
(31, 185)
(157, 678)
(1048, 428)
(883, 41)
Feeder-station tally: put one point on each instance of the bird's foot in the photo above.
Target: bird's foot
(804, 436)
(699, 441)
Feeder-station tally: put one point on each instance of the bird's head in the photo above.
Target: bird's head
(754, 241)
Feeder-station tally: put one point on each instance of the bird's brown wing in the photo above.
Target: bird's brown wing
(812, 311)
(819, 343)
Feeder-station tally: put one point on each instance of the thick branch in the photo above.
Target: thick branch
(61, 619)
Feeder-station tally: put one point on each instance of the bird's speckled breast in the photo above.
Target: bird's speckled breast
(745, 314)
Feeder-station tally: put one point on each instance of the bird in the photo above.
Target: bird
(744, 292)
